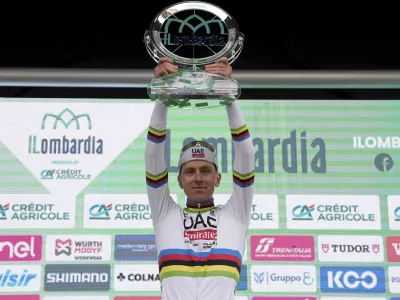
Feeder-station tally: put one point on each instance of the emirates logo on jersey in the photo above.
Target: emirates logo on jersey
(206, 234)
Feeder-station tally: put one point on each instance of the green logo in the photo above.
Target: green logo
(208, 39)
(66, 118)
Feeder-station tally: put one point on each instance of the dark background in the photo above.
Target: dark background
(279, 35)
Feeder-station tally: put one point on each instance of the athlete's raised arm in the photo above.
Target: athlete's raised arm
(240, 203)
(160, 200)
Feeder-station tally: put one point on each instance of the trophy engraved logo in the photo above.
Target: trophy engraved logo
(193, 34)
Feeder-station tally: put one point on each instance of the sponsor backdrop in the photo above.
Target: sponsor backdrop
(75, 221)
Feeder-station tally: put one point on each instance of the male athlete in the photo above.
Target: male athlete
(199, 247)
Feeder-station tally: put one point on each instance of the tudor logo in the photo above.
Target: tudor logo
(350, 248)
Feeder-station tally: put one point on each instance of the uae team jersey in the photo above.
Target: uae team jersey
(200, 246)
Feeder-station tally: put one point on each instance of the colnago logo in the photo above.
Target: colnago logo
(117, 211)
(83, 277)
(352, 280)
(144, 278)
(373, 142)
(19, 278)
(20, 247)
(72, 138)
(347, 212)
(350, 248)
(78, 247)
(91, 145)
(282, 248)
(138, 277)
(283, 278)
(393, 248)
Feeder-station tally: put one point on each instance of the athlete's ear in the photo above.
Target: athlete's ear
(180, 182)
(218, 180)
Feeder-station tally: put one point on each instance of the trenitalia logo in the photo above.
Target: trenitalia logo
(282, 248)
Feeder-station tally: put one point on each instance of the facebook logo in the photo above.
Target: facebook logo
(352, 280)
(383, 162)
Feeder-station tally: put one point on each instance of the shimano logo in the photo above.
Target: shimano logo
(77, 277)
(82, 277)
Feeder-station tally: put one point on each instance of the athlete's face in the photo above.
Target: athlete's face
(198, 179)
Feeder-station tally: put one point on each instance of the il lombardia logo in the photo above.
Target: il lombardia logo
(62, 143)
(63, 119)
(209, 39)
(199, 28)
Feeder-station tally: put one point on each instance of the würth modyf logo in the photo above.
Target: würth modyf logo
(71, 137)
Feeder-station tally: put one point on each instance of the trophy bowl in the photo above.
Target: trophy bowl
(193, 34)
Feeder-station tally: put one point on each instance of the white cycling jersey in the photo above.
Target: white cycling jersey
(199, 247)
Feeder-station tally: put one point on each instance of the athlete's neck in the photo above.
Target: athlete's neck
(192, 204)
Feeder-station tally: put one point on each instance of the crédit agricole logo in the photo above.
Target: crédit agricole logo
(66, 146)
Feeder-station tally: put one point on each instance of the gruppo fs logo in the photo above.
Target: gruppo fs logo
(63, 144)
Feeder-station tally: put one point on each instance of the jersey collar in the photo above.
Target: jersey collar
(192, 206)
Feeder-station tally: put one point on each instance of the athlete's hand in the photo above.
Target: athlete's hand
(221, 67)
(164, 67)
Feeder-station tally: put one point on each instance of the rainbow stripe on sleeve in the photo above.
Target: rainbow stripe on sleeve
(156, 136)
(188, 263)
(240, 134)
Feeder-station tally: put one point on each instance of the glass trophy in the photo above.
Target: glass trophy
(193, 34)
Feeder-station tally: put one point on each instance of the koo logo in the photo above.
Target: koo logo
(352, 280)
